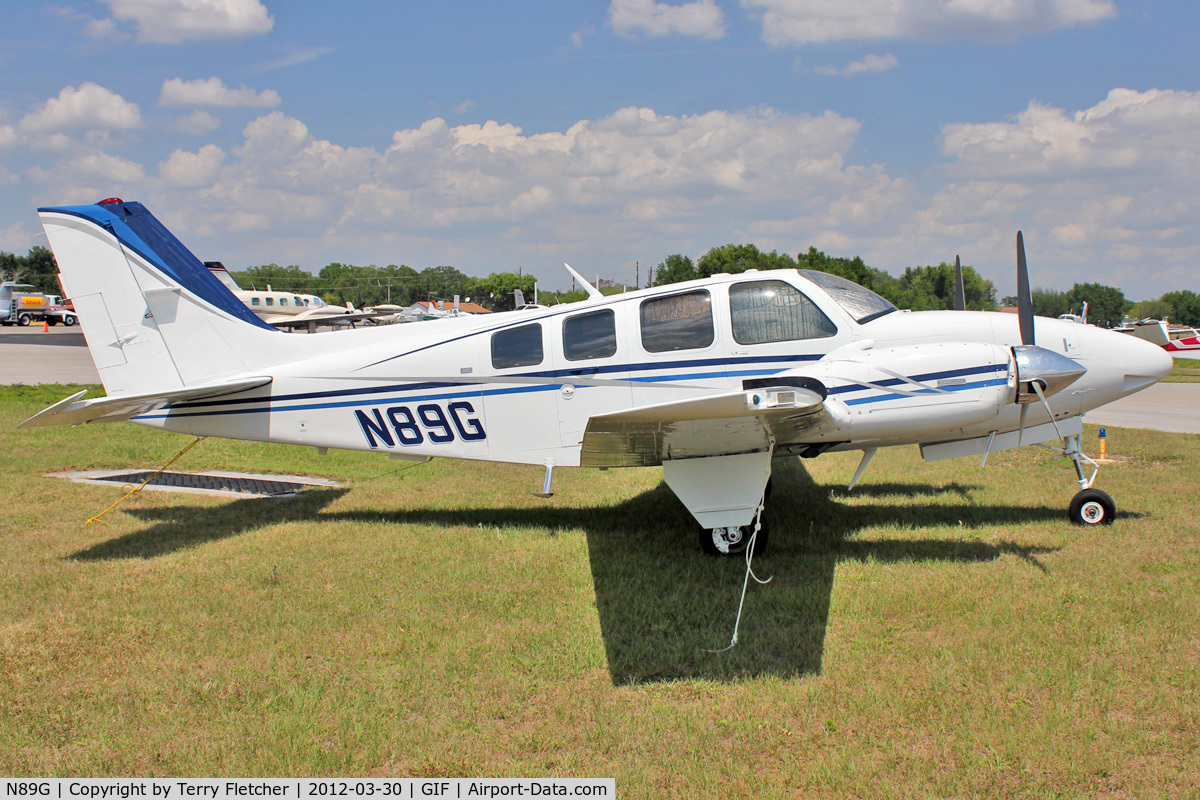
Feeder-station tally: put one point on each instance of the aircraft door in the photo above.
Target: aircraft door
(591, 359)
(519, 393)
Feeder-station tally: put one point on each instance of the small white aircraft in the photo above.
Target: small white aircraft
(290, 309)
(1176, 342)
(712, 379)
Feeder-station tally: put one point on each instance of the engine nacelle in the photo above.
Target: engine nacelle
(920, 389)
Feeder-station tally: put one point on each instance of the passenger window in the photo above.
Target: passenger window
(253, 301)
(283, 301)
(517, 347)
(677, 322)
(774, 311)
(297, 301)
(589, 336)
(270, 301)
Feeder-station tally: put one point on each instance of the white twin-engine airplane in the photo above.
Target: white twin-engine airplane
(712, 379)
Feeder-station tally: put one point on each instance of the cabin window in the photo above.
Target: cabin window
(283, 301)
(253, 301)
(774, 311)
(517, 347)
(587, 336)
(297, 301)
(677, 322)
(270, 301)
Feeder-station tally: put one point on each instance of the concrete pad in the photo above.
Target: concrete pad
(60, 355)
(1171, 407)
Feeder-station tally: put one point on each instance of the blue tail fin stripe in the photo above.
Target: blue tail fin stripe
(137, 229)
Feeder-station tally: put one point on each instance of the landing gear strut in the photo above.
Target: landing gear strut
(1090, 506)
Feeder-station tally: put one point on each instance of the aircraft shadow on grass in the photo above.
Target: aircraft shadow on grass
(662, 604)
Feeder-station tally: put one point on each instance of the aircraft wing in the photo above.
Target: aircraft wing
(736, 422)
(74, 411)
(318, 316)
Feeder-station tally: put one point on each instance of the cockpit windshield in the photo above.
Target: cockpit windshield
(860, 303)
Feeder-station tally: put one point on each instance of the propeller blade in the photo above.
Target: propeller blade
(960, 292)
(1024, 299)
(1021, 425)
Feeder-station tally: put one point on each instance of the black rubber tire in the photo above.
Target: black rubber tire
(1092, 507)
(23, 320)
(69, 320)
(709, 546)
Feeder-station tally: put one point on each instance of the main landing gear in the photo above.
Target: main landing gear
(734, 541)
(1090, 506)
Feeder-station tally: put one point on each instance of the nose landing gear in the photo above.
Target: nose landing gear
(1090, 506)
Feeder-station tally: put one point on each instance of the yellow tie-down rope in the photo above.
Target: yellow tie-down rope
(132, 490)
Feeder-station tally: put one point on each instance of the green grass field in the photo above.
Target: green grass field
(1184, 371)
(942, 630)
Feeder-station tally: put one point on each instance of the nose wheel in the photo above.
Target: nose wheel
(1093, 507)
(1090, 506)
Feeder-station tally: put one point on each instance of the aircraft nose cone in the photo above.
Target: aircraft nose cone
(1157, 363)
(1126, 363)
(1054, 370)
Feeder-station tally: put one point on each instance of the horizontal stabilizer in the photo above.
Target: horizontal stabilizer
(74, 411)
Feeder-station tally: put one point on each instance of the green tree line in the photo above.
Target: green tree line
(931, 287)
(37, 268)
(400, 285)
(919, 288)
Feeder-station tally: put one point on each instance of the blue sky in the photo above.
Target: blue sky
(493, 136)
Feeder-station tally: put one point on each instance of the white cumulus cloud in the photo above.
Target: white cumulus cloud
(106, 166)
(197, 123)
(190, 170)
(90, 107)
(630, 18)
(213, 92)
(805, 21)
(174, 21)
(1103, 193)
(869, 63)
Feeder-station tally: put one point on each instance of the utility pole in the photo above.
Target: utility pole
(637, 271)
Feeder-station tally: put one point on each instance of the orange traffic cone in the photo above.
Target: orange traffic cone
(45, 326)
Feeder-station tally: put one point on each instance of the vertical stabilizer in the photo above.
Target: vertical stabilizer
(154, 317)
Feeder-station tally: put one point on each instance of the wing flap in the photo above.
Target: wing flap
(74, 411)
(724, 424)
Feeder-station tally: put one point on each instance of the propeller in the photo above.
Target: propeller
(1024, 298)
(1041, 373)
(960, 292)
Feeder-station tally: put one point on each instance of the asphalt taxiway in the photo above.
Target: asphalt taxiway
(31, 355)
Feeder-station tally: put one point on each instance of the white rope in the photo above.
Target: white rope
(746, 581)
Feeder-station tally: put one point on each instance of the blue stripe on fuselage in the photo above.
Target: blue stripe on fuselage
(268, 405)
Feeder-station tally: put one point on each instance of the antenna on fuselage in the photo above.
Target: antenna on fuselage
(592, 291)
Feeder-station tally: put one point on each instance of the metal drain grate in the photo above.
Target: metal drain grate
(214, 483)
(235, 484)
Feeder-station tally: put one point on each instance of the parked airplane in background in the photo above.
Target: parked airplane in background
(1177, 342)
(712, 379)
(290, 309)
